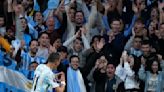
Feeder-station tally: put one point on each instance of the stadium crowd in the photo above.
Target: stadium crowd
(102, 45)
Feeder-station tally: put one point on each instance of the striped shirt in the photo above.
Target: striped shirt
(26, 59)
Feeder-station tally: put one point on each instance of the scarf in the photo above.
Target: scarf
(75, 82)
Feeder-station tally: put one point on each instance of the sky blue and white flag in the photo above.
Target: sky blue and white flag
(36, 6)
(53, 4)
(14, 79)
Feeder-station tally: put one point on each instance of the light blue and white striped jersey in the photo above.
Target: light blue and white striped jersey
(26, 59)
(44, 79)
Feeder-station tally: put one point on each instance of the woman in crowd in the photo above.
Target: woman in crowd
(153, 78)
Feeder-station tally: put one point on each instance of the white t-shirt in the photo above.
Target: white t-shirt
(44, 79)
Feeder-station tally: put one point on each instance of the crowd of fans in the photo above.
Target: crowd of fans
(115, 45)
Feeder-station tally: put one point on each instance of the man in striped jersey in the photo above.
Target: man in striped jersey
(45, 80)
(29, 57)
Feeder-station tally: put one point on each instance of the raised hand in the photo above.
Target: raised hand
(52, 49)
(83, 30)
(143, 61)
(9, 1)
(97, 63)
(22, 45)
(159, 57)
(133, 32)
(106, 6)
(124, 56)
(142, 6)
(61, 6)
(78, 33)
(160, 6)
(135, 9)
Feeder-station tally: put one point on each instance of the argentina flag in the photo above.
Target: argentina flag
(13, 81)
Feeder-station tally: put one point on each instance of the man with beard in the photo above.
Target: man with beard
(75, 81)
(29, 57)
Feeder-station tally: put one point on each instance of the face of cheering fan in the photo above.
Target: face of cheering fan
(38, 17)
(74, 63)
(110, 70)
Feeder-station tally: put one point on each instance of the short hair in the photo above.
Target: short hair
(11, 27)
(62, 49)
(80, 39)
(145, 42)
(116, 19)
(139, 20)
(79, 11)
(42, 34)
(35, 62)
(53, 57)
(73, 56)
(140, 37)
(112, 63)
(73, 8)
(55, 38)
(32, 41)
(35, 12)
(95, 37)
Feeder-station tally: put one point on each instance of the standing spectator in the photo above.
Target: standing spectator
(79, 46)
(10, 34)
(126, 73)
(38, 22)
(25, 28)
(2, 25)
(153, 77)
(113, 82)
(52, 33)
(99, 74)
(75, 82)
(29, 57)
(43, 45)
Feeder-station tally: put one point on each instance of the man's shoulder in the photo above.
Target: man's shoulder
(41, 67)
(43, 70)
